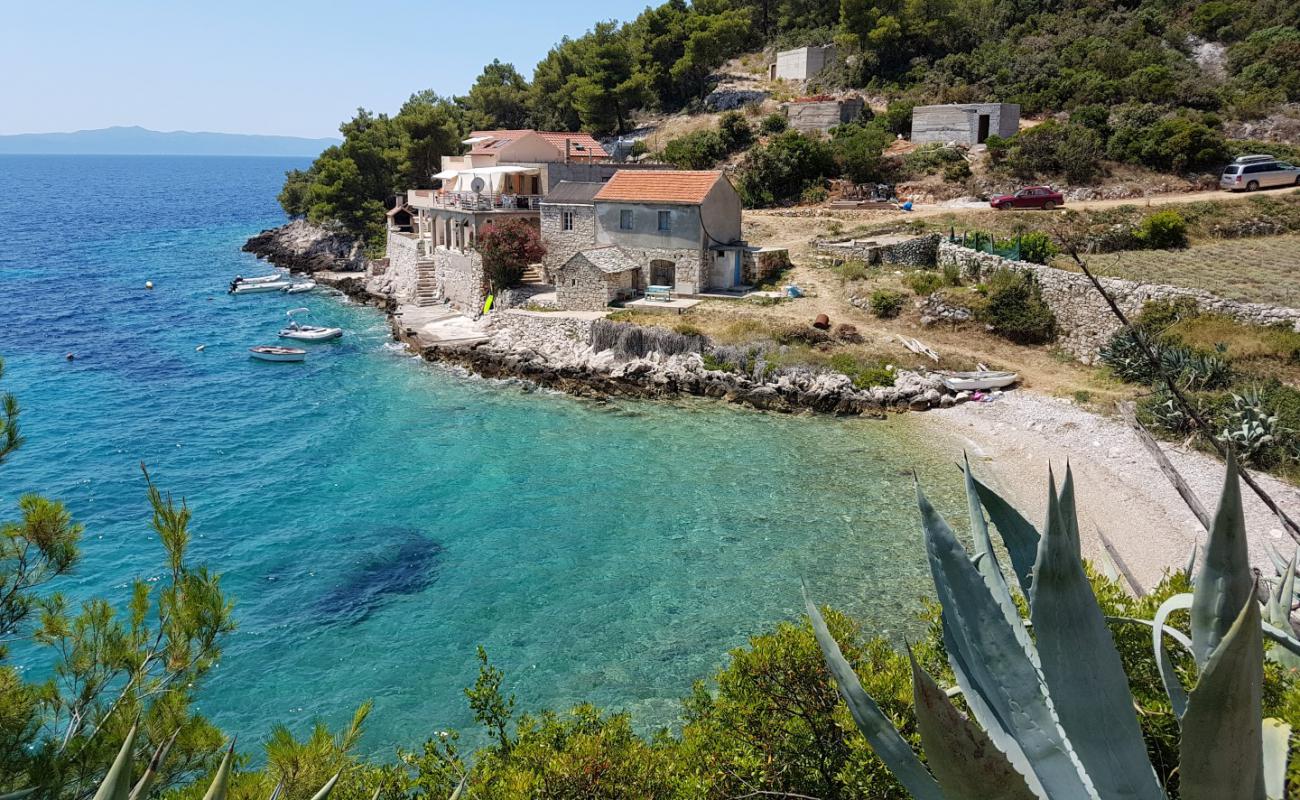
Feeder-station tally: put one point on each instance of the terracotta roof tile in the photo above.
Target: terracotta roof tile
(581, 145)
(660, 186)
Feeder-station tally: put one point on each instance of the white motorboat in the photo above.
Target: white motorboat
(269, 352)
(251, 288)
(307, 333)
(259, 279)
(298, 288)
(975, 381)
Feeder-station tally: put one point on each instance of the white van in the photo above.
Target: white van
(1249, 173)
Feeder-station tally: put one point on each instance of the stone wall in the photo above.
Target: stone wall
(757, 267)
(919, 252)
(582, 286)
(460, 278)
(561, 245)
(400, 278)
(541, 328)
(687, 276)
(1084, 319)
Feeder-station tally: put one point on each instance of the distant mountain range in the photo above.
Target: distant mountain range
(136, 141)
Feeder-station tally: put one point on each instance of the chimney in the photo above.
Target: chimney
(566, 151)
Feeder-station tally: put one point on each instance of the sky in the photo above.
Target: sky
(288, 67)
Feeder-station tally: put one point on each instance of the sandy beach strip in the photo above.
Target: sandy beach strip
(1121, 491)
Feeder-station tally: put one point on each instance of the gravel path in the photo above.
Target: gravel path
(1120, 489)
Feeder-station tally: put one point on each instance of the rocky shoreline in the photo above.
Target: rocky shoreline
(555, 351)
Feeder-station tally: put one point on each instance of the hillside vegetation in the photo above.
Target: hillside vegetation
(1123, 76)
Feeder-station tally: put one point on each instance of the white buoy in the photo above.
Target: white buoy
(148, 284)
(200, 348)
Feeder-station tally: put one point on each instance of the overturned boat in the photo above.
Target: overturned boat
(977, 380)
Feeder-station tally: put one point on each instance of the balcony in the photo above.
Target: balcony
(474, 201)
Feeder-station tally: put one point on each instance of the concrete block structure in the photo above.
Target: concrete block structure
(964, 123)
(801, 63)
(819, 114)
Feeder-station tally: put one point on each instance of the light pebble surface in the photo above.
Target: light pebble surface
(1120, 488)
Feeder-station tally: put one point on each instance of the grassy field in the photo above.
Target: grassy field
(1260, 270)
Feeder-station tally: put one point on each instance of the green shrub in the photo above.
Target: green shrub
(957, 172)
(1037, 247)
(864, 374)
(1014, 308)
(1162, 230)
(814, 194)
(1148, 136)
(774, 123)
(858, 152)
(800, 334)
(886, 303)
(853, 270)
(697, 150)
(734, 131)
(951, 275)
(924, 282)
(783, 167)
(687, 329)
(897, 118)
(1051, 148)
(1157, 316)
(929, 158)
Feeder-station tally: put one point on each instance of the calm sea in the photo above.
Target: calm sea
(376, 518)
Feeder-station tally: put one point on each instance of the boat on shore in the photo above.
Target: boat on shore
(978, 380)
(271, 352)
(298, 288)
(307, 333)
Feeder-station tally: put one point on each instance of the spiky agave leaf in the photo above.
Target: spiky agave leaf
(1277, 741)
(1225, 581)
(985, 559)
(1019, 535)
(997, 664)
(1173, 685)
(963, 760)
(1279, 613)
(460, 787)
(883, 737)
(327, 788)
(1082, 667)
(151, 772)
(117, 782)
(1221, 750)
(18, 795)
(221, 781)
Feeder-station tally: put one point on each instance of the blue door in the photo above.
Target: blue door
(736, 279)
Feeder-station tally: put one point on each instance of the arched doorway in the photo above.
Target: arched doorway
(663, 273)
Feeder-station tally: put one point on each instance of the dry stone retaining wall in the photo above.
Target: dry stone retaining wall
(1084, 319)
(398, 281)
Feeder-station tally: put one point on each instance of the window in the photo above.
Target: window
(566, 220)
(625, 220)
(665, 220)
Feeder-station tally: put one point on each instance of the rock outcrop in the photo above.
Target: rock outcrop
(301, 246)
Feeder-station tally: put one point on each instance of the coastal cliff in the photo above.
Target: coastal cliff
(302, 246)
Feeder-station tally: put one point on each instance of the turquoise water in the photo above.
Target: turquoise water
(375, 517)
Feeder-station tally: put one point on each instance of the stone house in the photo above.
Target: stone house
(592, 279)
(682, 227)
(801, 63)
(964, 123)
(808, 114)
(568, 222)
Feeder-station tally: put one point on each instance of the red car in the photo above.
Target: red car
(1044, 197)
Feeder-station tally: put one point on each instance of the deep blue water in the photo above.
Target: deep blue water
(376, 518)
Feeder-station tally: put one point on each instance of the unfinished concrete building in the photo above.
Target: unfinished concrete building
(964, 123)
(801, 63)
(809, 114)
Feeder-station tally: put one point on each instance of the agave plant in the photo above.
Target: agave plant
(1250, 426)
(1055, 714)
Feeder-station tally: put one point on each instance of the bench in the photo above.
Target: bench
(661, 293)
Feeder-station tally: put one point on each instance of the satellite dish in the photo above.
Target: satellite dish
(477, 185)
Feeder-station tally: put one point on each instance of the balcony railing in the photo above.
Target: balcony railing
(483, 201)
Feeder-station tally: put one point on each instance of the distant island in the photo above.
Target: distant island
(137, 141)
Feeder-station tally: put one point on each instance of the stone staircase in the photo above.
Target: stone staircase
(426, 285)
(533, 276)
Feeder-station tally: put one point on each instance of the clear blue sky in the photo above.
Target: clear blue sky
(288, 67)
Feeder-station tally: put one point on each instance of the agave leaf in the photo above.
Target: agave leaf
(1173, 685)
(18, 795)
(117, 782)
(963, 760)
(1279, 608)
(985, 560)
(460, 787)
(1281, 637)
(1169, 630)
(151, 772)
(279, 787)
(883, 737)
(1191, 563)
(1221, 752)
(327, 788)
(221, 782)
(1081, 665)
(1069, 515)
(998, 664)
(1225, 582)
(1277, 739)
(1018, 534)
(1279, 563)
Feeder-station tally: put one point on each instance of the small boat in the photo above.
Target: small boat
(298, 288)
(258, 279)
(973, 381)
(307, 333)
(270, 352)
(250, 288)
